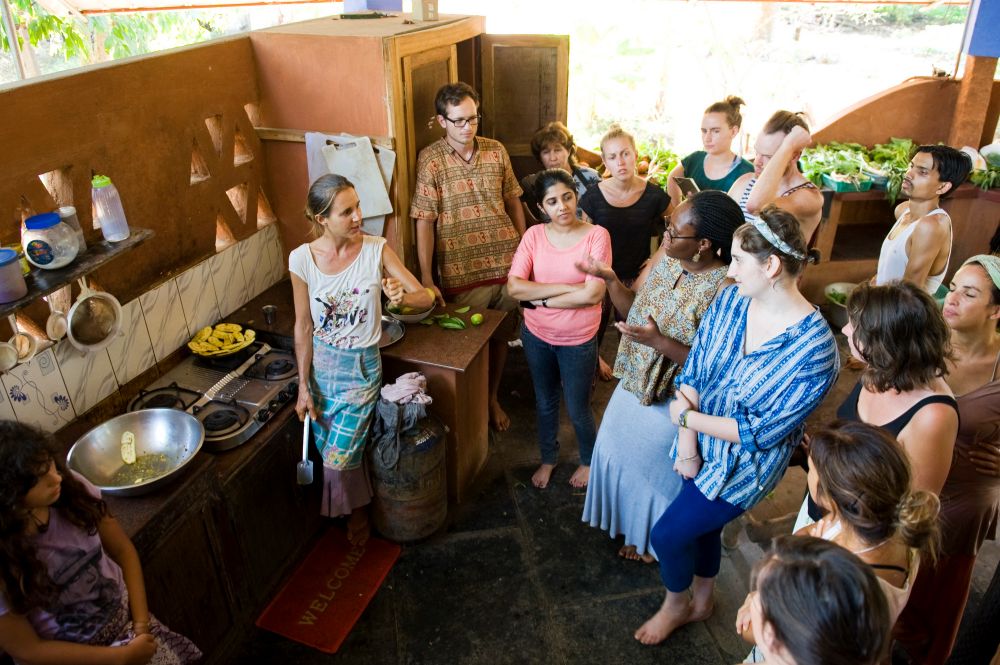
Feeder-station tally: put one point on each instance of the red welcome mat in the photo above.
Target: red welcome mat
(330, 589)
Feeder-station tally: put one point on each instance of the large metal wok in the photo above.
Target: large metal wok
(166, 440)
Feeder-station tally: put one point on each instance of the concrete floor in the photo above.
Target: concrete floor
(517, 577)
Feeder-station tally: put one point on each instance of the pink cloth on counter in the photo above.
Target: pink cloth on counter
(409, 387)
(540, 261)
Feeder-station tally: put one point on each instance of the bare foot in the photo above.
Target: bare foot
(659, 626)
(499, 420)
(700, 613)
(580, 477)
(604, 372)
(629, 552)
(358, 529)
(540, 479)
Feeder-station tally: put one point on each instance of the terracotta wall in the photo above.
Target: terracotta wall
(175, 132)
(919, 108)
(140, 122)
(314, 83)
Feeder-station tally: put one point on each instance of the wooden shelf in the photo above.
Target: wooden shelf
(859, 241)
(43, 282)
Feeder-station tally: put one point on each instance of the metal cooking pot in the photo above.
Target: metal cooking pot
(166, 440)
(94, 320)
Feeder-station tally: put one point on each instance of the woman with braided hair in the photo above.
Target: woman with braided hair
(632, 481)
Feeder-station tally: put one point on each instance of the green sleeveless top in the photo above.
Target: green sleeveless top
(694, 168)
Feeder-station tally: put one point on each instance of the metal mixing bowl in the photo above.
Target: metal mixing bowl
(165, 441)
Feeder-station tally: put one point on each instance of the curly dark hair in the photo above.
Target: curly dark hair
(900, 334)
(25, 456)
(554, 133)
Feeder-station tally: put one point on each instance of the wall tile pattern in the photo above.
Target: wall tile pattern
(60, 383)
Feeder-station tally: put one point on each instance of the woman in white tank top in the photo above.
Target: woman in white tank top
(337, 283)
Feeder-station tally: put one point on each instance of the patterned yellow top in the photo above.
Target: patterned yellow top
(474, 238)
(677, 309)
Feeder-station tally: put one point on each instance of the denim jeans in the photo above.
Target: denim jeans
(558, 371)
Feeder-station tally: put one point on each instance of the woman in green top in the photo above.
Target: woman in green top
(717, 166)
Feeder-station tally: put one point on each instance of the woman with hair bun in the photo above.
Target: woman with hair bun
(776, 179)
(337, 283)
(971, 492)
(717, 166)
(849, 627)
(861, 477)
(632, 479)
(761, 362)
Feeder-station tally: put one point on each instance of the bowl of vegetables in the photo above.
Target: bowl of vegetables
(837, 294)
(408, 314)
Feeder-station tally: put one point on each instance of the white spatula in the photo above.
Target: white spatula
(304, 471)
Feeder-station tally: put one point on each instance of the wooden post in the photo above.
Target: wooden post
(969, 119)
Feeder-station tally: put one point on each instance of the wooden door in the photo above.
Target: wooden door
(423, 74)
(525, 85)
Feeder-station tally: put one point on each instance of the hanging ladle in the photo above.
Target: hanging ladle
(25, 345)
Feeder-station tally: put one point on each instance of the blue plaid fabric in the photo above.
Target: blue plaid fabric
(344, 384)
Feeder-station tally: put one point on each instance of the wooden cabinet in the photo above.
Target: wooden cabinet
(378, 77)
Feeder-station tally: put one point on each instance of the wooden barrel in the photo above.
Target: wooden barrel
(411, 498)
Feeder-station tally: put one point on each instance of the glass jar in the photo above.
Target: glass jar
(48, 242)
(12, 284)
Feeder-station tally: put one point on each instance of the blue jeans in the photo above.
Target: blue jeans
(687, 539)
(557, 371)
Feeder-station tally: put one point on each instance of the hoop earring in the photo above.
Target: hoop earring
(697, 256)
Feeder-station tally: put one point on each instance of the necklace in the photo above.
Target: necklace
(39, 524)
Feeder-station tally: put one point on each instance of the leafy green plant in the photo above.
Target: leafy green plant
(988, 178)
(662, 161)
(891, 160)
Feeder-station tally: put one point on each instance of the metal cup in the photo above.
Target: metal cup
(270, 312)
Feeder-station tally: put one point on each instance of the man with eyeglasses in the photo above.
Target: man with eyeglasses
(469, 221)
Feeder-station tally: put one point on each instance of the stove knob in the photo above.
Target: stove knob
(292, 387)
(263, 415)
(283, 396)
(274, 405)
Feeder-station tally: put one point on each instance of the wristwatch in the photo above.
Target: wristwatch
(545, 303)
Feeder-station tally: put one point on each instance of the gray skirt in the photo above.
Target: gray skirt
(632, 477)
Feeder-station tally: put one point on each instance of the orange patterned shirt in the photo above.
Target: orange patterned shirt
(475, 240)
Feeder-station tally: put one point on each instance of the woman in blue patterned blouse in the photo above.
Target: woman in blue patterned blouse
(762, 360)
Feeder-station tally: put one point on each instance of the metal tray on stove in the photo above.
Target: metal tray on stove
(392, 332)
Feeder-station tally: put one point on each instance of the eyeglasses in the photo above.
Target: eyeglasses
(462, 122)
(673, 235)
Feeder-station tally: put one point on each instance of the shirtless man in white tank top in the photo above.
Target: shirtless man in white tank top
(918, 248)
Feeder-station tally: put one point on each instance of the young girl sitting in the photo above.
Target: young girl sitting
(71, 587)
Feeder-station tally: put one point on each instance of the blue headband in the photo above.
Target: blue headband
(775, 241)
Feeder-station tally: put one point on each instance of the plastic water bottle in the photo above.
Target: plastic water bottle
(108, 212)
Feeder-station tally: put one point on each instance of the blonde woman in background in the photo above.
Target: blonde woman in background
(631, 209)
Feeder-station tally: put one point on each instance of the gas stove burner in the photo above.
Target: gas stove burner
(167, 397)
(221, 418)
(273, 366)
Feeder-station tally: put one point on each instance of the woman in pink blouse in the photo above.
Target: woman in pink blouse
(562, 316)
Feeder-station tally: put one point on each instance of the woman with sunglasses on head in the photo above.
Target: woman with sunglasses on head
(561, 317)
(761, 362)
(971, 492)
(632, 478)
(554, 148)
(861, 477)
(630, 208)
